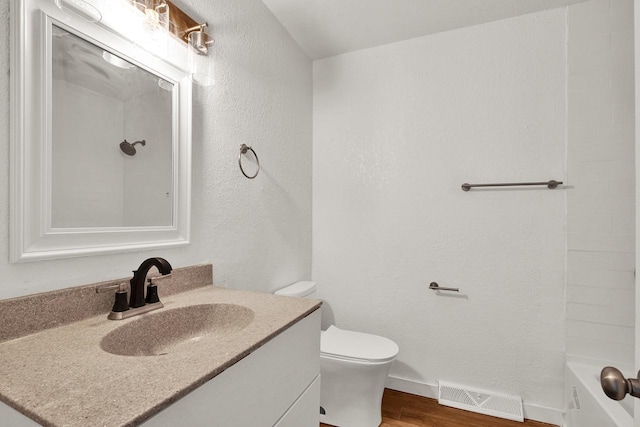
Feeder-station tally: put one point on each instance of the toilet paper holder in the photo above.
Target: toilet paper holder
(435, 287)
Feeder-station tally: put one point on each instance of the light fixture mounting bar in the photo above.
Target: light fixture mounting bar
(180, 22)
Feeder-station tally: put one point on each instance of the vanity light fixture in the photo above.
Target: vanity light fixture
(201, 66)
(198, 39)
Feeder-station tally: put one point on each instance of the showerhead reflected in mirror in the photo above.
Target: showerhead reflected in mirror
(130, 149)
(100, 101)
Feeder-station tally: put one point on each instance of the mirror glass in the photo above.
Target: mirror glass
(111, 139)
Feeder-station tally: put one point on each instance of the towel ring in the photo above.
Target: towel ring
(243, 150)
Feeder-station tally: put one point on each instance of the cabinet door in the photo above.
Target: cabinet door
(305, 411)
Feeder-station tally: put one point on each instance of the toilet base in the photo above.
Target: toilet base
(351, 392)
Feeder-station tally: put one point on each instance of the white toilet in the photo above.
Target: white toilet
(353, 369)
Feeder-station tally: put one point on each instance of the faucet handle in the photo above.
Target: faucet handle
(121, 303)
(152, 292)
(151, 280)
(120, 288)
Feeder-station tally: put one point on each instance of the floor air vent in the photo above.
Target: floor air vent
(483, 402)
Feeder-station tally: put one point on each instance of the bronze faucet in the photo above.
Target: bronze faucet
(137, 298)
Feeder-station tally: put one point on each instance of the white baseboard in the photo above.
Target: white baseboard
(531, 411)
(543, 414)
(412, 387)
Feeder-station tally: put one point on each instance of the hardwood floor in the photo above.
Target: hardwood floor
(407, 410)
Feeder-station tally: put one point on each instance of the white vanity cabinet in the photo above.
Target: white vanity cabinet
(276, 385)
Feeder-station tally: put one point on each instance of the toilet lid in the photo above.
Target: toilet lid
(357, 345)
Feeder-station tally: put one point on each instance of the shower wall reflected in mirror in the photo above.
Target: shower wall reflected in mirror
(111, 139)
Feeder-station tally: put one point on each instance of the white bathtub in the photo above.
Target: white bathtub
(586, 403)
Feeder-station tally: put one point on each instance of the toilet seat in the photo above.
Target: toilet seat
(356, 346)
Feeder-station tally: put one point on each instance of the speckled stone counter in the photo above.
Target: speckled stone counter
(62, 377)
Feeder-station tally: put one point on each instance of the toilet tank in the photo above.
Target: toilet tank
(301, 289)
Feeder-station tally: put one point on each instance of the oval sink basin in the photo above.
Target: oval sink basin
(178, 329)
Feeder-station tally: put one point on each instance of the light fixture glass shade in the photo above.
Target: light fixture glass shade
(162, 12)
(200, 41)
(202, 68)
(156, 13)
(154, 31)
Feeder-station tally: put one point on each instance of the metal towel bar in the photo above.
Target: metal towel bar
(551, 184)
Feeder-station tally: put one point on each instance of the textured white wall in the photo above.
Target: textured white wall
(397, 130)
(256, 233)
(601, 200)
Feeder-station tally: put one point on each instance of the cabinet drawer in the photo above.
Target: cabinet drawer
(305, 411)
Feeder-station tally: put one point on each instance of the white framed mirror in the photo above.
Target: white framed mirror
(101, 134)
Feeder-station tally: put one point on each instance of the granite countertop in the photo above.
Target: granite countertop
(62, 377)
